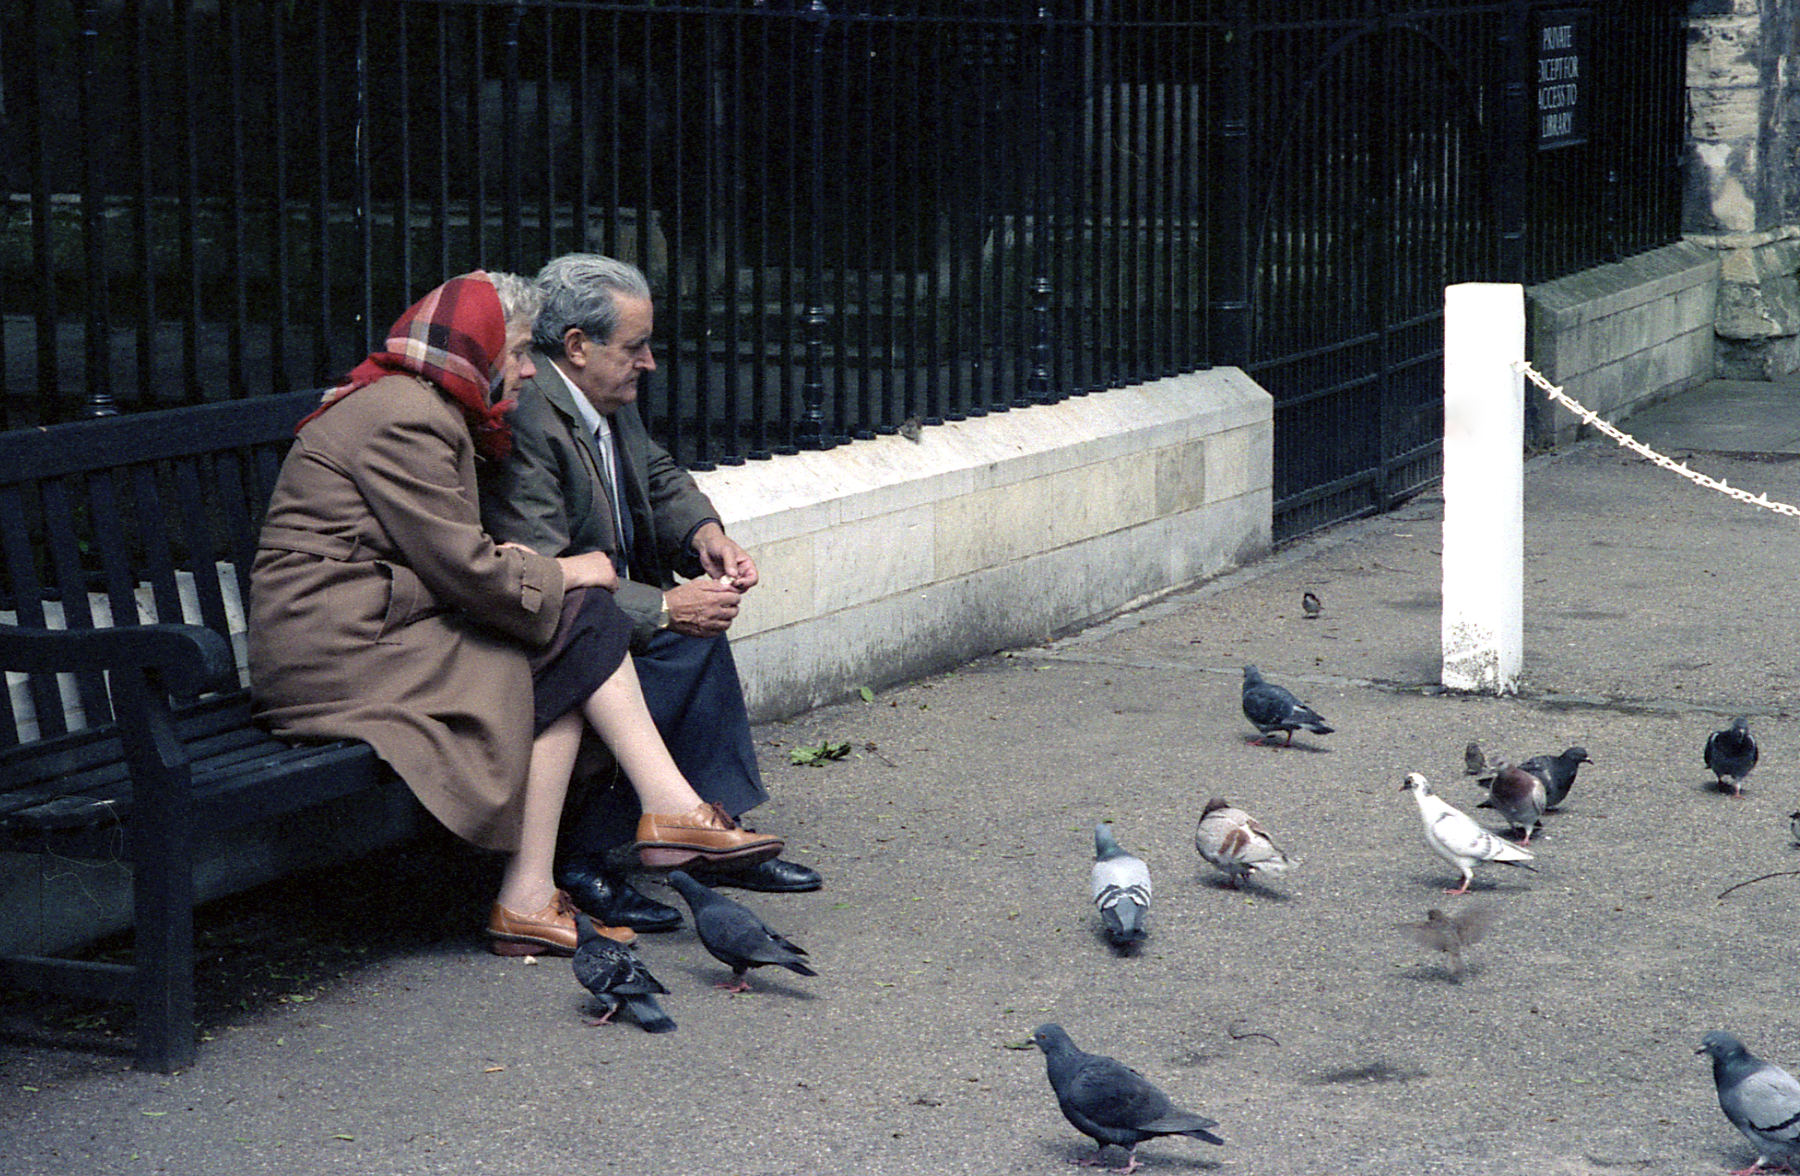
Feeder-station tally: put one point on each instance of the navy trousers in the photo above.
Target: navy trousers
(691, 687)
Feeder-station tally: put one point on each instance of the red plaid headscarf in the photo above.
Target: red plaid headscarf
(452, 337)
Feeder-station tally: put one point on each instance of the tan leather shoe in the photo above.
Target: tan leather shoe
(708, 832)
(549, 932)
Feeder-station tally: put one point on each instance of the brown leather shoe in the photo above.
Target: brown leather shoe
(549, 932)
(708, 832)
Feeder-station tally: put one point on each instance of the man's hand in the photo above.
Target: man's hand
(720, 556)
(702, 608)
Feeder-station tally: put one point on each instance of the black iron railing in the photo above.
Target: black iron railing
(854, 214)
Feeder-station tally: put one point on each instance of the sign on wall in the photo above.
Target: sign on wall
(1560, 38)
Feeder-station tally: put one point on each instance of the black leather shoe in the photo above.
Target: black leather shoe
(613, 900)
(775, 876)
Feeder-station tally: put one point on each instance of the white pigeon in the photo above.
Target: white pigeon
(1235, 844)
(1454, 836)
(1121, 889)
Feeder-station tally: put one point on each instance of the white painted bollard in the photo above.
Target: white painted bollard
(1484, 487)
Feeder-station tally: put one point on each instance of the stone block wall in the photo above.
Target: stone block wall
(1626, 334)
(888, 559)
(1742, 175)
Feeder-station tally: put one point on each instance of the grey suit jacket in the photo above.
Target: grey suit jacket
(550, 495)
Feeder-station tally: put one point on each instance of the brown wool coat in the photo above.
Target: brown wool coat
(380, 610)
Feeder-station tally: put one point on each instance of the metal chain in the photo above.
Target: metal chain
(1638, 447)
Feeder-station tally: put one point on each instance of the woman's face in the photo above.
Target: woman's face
(515, 362)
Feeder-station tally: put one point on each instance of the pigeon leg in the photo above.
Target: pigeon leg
(1289, 743)
(1464, 888)
(1131, 1163)
(604, 1019)
(739, 984)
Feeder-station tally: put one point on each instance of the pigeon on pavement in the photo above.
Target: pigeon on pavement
(1730, 754)
(1475, 762)
(1111, 1103)
(1121, 889)
(1557, 772)
(617, 978)
(1451, 933)
(1794, 826)
(1454, 836)
(1518, 796)
(1310, 607)
(1271, 708)
(1232, 841)
(735, 936)
(1761, 1100)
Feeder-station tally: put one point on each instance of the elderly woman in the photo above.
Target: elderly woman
(380, 610)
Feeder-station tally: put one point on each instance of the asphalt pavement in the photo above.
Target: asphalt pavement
(956, 837)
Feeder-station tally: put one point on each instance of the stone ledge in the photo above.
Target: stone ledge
(888, 559)
(1606, 290)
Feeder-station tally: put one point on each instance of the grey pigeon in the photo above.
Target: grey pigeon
(1794, 826)
(618, 979)
(1454, 836)
(1111, 1103)
(1730, 754)
(1760, 1099)
(1518, 796)
(1121, 889)
(1451, 933)
(1235, 844)
(1475, 762)
(1271, 708)
(735, 936)
(1310, 607)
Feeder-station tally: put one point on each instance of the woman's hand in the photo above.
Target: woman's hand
(592, 570)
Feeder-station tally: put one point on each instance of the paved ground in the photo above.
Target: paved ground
(956, 842)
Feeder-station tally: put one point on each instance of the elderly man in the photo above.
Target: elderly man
(584, 476)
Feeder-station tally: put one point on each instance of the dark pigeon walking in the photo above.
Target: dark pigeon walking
(618, 979)
(1271, 708)
(1451, 933)
(1760, 1099)
(1310, 608)
(735, 936)
(1121, 890)
(1730, 754)
(1111, 1103)
(1475, 761)
(1558, 773)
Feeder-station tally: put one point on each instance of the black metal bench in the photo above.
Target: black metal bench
(127, 546)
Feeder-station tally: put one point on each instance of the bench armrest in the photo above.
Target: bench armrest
(186, 659)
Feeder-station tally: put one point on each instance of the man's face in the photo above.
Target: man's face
(515, 362)
(607, 373)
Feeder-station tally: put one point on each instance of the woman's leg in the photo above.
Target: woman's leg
(526, 885)
(677, 826)
(618, 714)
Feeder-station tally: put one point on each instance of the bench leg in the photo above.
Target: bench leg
(163, 902)
(162, 884)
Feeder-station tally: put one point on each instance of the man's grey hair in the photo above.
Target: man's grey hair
(581, 290)
(520, 298)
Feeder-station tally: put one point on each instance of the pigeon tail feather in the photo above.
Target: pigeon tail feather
(649, 1014)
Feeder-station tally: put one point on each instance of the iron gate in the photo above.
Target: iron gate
(1398, 157)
